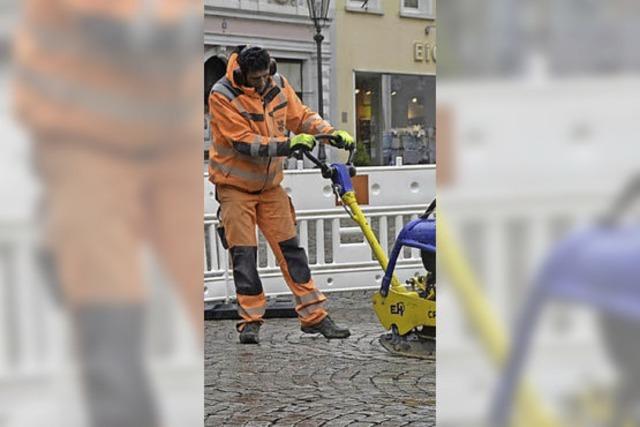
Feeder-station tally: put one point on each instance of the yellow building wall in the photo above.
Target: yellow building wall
(377, 43)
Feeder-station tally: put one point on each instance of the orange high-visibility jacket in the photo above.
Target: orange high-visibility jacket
(127, 10)
(117, 71)
(248, 129)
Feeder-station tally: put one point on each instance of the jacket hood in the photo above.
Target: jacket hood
(232, 64)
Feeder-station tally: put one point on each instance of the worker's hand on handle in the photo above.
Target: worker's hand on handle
(303, 142)
(343, 140)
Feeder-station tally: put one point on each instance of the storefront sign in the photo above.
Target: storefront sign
(424, 52)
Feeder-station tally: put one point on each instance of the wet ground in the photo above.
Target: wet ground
(294, 379)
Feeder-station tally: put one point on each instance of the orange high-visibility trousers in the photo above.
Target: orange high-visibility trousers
(103, 209)
(273, 213)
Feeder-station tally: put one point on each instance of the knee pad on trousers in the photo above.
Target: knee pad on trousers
(111, 343)
(296, 259)
(245, 270)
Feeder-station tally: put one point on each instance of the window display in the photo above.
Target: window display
(395, 119)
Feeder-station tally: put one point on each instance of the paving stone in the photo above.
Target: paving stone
(292, 379)
(258, 424)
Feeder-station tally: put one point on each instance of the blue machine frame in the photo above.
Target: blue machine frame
(419, 233)
(598, 267)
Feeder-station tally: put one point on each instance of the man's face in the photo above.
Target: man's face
(258, 79)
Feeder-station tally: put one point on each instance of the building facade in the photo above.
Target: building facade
(385, 53)
(283, 27)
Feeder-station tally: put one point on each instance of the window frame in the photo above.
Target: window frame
(373, 7)
(425, 10)
(300, 62)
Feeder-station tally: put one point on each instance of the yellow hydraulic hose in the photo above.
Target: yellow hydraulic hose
(530, 409)
(349, 199)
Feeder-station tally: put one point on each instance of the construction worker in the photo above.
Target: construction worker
(252, 107)
(108, 91)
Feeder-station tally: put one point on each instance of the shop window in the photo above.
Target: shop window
(292, 70)
(368, 118)
(395, 119)
(417, 9)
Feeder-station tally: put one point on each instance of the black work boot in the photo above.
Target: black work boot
(327, 328)
(250, 334)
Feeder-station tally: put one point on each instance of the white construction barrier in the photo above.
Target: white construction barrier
(339, 257)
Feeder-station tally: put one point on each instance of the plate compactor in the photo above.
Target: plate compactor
(407, 310)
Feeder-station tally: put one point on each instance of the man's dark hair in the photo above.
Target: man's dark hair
(254, 58)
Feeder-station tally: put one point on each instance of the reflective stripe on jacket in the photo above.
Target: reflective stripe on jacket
(117, 71)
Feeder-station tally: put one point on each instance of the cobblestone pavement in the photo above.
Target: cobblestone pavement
(294, 379)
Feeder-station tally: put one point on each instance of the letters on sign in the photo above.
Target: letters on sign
(424, 52)
(397, 309)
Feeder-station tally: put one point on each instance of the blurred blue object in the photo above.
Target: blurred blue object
(598, 267)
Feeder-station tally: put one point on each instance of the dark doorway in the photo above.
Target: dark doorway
(214, 69)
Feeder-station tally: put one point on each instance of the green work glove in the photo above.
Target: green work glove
(302, 142)
(345, 140)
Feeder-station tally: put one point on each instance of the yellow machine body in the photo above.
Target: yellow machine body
(401, 307)
(405, 309)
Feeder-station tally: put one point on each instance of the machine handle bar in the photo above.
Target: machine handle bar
(337, 143)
